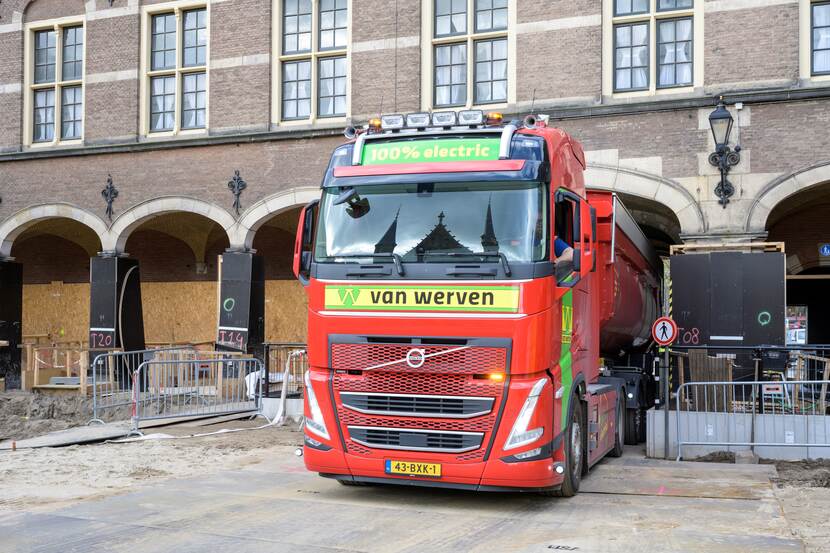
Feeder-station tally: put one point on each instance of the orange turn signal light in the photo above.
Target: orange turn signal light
(494, 118)
(496, 377)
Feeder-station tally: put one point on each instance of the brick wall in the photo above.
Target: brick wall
(751, 45)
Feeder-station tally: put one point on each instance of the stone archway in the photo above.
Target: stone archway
(651, 187)
(781, 188)
(15, 225)
(127, 222)
(256, 215)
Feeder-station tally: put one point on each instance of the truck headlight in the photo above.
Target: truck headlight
(316, 423)
(520, 435)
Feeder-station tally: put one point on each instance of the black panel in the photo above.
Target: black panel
(11, 315)
(764, 299)
(241, 302)
(729, 298)
(726, 298)
(690, 289)
(115, 314)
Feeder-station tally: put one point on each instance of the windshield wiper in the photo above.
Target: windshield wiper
(502, 258)
(396, 258)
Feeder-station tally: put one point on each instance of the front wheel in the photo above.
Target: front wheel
(574, 450)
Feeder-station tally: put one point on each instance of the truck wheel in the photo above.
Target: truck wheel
(619, 430)
(574, 450)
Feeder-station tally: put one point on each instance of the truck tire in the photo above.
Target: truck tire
(574, 450)
(620, 433)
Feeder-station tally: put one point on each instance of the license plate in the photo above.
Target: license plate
(413, 469)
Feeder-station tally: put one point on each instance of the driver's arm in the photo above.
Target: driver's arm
(562, 251)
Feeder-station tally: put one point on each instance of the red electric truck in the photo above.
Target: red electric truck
(448, 344)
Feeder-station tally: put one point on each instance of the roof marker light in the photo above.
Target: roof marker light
(375, 124)
(392, 122)
(443, 119)
(417, 120)
(494, 118)
(471, 117)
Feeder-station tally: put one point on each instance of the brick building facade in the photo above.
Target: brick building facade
(169, 98)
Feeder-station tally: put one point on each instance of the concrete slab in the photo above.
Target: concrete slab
(79, 435)
(278, 506)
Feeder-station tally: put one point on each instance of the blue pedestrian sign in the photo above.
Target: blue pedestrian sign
(824, 250)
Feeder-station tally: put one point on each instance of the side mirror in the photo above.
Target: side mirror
(303, 242)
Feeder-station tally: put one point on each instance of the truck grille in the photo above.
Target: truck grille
(452, 359)
(450, 407)
(416, 440)
(448, 404)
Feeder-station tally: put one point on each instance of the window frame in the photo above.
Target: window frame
(430, 42)
(615, 47)
(57, 84)
(654, 16)
(812, 7)
(147, 73)
(315, 55)
(657, 63)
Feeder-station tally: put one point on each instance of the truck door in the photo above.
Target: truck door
(574, 224)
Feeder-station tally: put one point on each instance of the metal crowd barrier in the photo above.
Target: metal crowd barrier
(165, 389)
(112, 376)
(278, 356)
(292, 381)
(756, 414)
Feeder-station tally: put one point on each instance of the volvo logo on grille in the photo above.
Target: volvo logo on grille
(416, 357)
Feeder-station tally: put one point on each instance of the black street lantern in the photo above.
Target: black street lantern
(724, 157)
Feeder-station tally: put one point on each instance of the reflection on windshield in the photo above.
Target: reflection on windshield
(434, 222)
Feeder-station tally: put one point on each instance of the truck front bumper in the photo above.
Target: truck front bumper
(491, 475)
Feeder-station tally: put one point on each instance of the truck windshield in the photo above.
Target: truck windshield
(432, 223)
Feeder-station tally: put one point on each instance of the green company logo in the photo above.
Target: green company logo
(348, 296)
(435, 150)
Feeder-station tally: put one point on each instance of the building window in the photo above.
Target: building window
(631, 56)
(653, 44)
(177, 75)
(296, 90)
(821, 38)
(674, 52)
(332, 87)
(313, 61)
(57, 84)
(458, 80)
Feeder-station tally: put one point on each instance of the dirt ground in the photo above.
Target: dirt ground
(51, 477)
(26, 415)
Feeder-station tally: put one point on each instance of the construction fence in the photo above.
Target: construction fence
(773, 401)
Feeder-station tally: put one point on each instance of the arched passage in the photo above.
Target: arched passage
(18, 223)
(178, 256)
(268, 227)
(262, 211)
(801, 221)
(657, 221)
(55, 253)
(127, 222)
(658, 189)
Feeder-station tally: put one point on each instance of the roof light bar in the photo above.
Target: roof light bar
(417, 120)
(392, 122)
(444, 119)
(471, 117)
